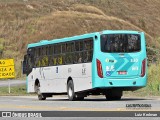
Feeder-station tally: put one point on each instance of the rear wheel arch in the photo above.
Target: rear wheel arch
(36, 82)
(69, 78)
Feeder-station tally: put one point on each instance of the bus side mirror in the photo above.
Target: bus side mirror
(24, 65)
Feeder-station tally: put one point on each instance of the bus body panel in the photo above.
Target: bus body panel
(113, 63)
(54, 79)
(109, 83)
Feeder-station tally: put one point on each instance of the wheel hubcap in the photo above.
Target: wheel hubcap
(70, 91)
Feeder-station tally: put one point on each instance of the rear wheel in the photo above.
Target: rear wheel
(80, 98)
(41, 96)
(113, 98)
(114, 94)
(70, 91)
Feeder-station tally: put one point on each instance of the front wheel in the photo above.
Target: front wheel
(41, 96)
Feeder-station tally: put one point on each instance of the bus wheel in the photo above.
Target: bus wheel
(80, 98)
(40, 95)
(70, 91)
(114, 94)
(113, 98)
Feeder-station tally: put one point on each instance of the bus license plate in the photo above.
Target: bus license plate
(122, 72)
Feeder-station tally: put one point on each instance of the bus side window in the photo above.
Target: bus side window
(39, 57)
(79, 55)
(51, 52)
(79, 51)
(62, 55)
(77, 46)
(45, 61)
(88, 48)
(54, 60)
(31, 58)
(70, 47)
(63, 59)
(41, 51)
(36, 57)
(57, 50)
(81, 45)
(59, 60)
(63, 48)
(44, 57)
(86, 45)
(44, 51)
(69, 58)
(85, 56)
(69, 52)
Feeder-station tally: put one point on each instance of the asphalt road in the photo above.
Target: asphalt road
(12, 82)
(61, 103)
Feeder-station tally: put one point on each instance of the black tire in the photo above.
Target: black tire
(70, 91)
(110, 98)
(40, 95)
(80, 98)
(114, 95)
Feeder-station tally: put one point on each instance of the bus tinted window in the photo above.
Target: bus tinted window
(70, 47)
(57, 49)
(80, 51)
(120, 43)
(63, 48)
(50, 50)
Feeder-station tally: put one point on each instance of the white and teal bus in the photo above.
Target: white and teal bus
(101, 63)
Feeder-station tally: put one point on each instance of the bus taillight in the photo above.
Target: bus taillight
(99, 69)
(143, 69)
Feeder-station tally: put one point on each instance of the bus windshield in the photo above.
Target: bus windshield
(123, 43)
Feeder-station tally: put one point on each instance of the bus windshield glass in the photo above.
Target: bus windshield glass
(123, 43)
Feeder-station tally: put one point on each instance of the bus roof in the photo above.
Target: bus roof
(78, 37)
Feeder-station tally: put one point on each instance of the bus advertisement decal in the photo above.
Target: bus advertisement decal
(108, 73)
(110, 68)
(135, 68)
(108, 60)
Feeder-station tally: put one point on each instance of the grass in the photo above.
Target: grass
(154, 78)
(20, 90)
(153, 84)
(86, 9)
(14, 90)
